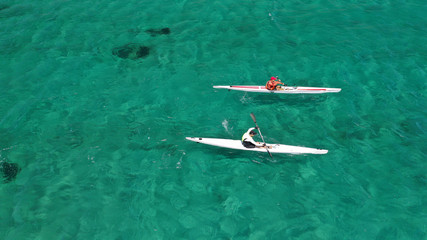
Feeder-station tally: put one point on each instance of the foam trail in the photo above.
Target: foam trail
(225, 124)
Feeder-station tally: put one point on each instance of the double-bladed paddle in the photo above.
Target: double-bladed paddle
(266, 147)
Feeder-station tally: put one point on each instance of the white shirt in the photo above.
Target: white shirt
(247, 138)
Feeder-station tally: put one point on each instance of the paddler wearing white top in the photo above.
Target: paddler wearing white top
(248, 141)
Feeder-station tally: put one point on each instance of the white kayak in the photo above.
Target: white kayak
(285, 90)
(275, 148)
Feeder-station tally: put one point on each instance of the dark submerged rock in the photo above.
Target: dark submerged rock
(131, 51)
(9, 171)
(154, 32)
(142, 52)
(165, 31)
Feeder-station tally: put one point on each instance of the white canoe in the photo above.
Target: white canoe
(286, 89)
(276, 148)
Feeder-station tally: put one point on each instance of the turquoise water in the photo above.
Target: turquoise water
(100, 139)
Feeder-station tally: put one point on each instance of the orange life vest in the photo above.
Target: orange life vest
(271, 85)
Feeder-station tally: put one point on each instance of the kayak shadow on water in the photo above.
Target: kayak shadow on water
(293, 100)
(246, 156)
(263, 158)
(232, 154)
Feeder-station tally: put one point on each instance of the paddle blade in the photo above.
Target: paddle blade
(253, 117)
(269, 153)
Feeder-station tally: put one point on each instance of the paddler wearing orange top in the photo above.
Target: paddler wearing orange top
(274, 84)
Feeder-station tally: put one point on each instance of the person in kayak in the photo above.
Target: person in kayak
(274, 84)
(248, 141)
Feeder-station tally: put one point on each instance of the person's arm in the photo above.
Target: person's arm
(254, 143)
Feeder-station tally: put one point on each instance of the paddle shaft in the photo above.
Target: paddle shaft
(259, 130)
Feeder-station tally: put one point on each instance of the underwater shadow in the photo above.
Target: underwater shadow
(245, 156)
(155, 32)
(288, 99)
(131, 51)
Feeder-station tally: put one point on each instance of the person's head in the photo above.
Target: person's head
(273, 78)
(252, 133)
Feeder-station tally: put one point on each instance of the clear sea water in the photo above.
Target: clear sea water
(100, 139)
